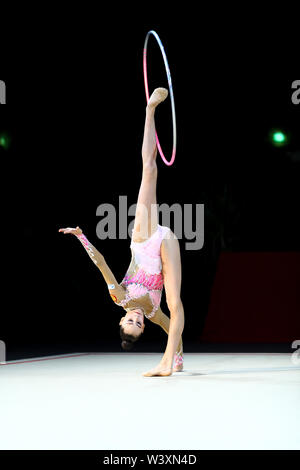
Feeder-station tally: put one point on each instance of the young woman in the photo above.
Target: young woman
(155, 263)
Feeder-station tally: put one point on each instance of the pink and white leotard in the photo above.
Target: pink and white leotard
(143, 280)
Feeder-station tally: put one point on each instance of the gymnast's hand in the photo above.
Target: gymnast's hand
(74, 231)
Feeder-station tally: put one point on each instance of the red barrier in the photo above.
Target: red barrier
(255, 298)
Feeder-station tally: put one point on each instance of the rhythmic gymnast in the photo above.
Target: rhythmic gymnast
(155, 263)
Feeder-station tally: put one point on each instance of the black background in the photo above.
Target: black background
(75, 115)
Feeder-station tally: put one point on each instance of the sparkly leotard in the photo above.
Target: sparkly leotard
(143, 280)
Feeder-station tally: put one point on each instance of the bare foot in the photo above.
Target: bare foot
(160, 371)
(159, 95)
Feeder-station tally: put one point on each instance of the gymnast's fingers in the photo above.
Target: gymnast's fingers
(67, 230)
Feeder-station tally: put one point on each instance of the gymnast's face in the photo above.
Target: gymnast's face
(133, 322)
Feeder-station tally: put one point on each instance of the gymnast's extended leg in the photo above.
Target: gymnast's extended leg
(146, 216)
(146, 220)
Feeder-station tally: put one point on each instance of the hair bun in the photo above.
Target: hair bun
(127, 345)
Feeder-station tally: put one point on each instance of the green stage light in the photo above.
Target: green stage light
(4, 141)
(278, 138)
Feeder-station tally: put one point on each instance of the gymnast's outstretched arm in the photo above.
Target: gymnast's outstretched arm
(117, 292)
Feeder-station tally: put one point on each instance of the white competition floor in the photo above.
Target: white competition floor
(101, 401)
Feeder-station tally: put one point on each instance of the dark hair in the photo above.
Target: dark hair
(127, 340)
